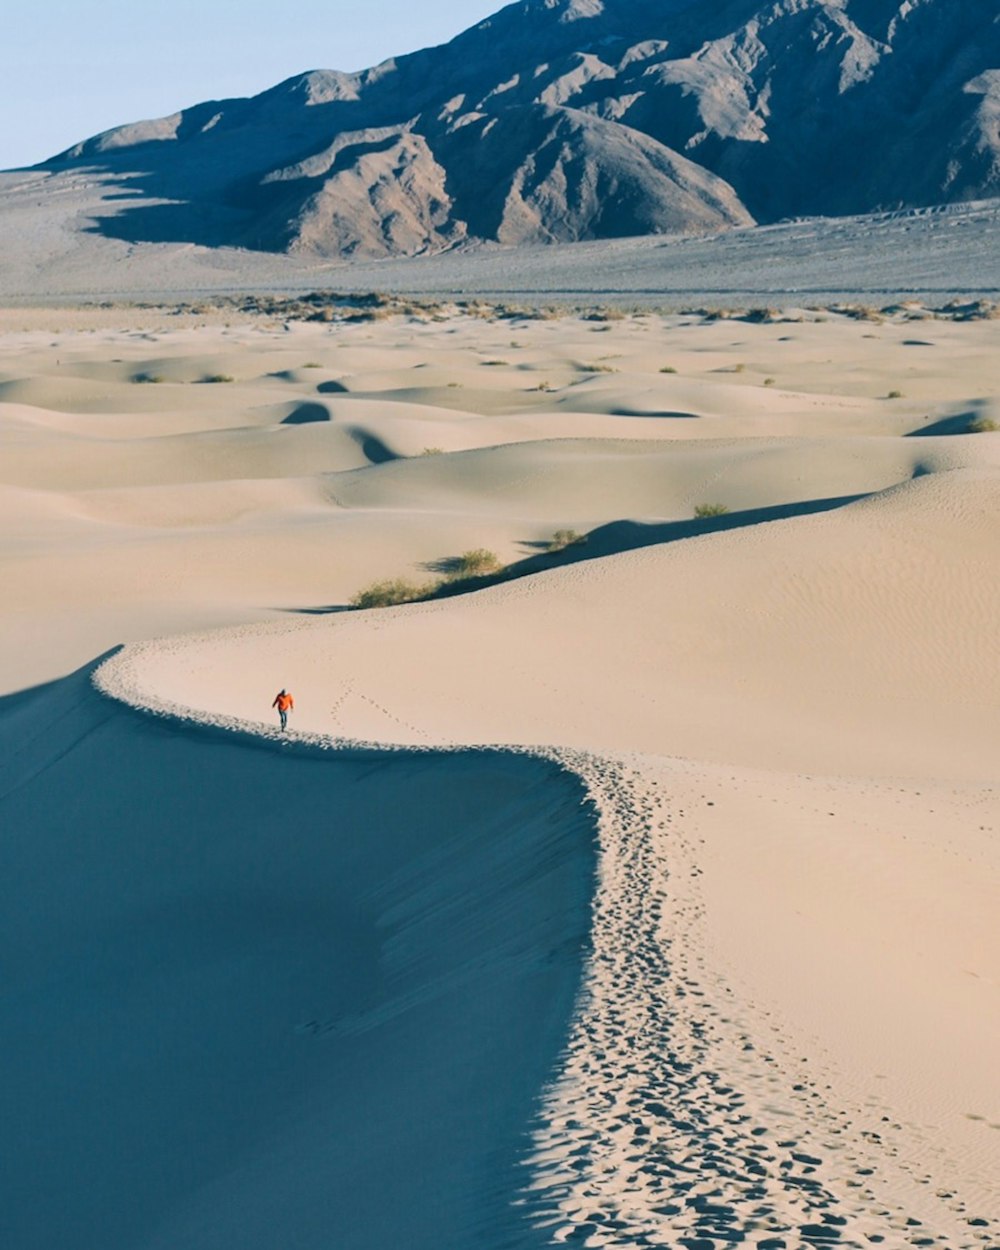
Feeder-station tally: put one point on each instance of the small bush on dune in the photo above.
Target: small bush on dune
(216, 378)
(606, 314)
(705, 510)
(433, 451)
(495, 364)
(769, 381)
(983, 425)
(389, 593)
(562, 539)
(477, 563)
(668, 369)
(147, 379)
(895, 395)
(312, 364)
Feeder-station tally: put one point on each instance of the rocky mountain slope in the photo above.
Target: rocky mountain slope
(561, 120)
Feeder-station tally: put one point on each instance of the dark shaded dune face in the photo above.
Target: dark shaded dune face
(307, 414)
(273, 997)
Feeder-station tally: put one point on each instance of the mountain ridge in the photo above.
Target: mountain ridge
(567, 120)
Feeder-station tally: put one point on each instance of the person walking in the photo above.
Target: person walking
(284, 702)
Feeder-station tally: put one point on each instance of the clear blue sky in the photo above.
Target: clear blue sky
(72, 68)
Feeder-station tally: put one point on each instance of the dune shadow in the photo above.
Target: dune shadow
(374, 450)
(622, 411)
(328, 610)
(160, 977)
(608, 540)
(307, 414)
(619, 536)
(959, 423)
(332, 388)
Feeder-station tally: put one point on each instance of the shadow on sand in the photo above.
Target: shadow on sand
(609, 540)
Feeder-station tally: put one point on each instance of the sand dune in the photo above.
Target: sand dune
(784, 719)
(271, 1018)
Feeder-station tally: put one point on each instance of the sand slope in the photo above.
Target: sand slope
(257, 999)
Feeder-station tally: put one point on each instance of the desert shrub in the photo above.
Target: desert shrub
(706, 510)
(389, 593)
(477, 563)
(147, 379)
(495, 364)
(433, 451)
(216, 378)
(895, 395)
(770, 381)
(312, 364)
(983, 425)
(762, 316)
(596, 368)
(543, 386)
(668, 369)
(562, 539)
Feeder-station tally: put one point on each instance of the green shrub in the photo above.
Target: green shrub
(477, 563)
(562, 539)
(895, 395)
(148, 379)
(770, 381)
(218, 377)
(705, 510)
(389, 593)
(495, 364)
(983, 425)
(668, 369)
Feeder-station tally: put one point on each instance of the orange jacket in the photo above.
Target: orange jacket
(283, 702)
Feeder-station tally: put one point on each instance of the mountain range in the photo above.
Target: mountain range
(564, 120)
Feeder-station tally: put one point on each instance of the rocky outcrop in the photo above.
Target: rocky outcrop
(561, 120)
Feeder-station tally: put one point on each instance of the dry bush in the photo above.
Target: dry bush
(668, 369)
(215, 379)
(983, 425)
(705, 510)
(762, 316)
(476, 563)
(388, 594)
(147, 379)
(562, 539)
(606, 314)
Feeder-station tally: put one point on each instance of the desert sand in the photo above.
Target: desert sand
(761, 1008)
